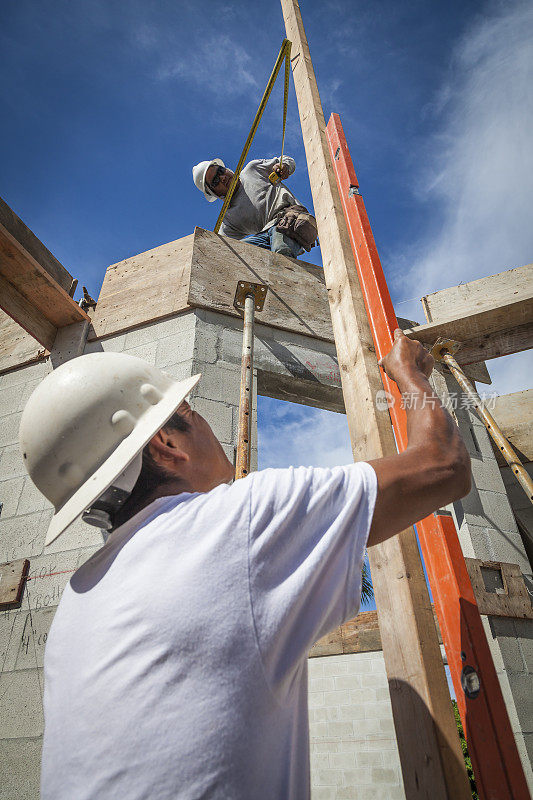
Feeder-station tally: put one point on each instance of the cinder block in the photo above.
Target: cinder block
(524, 630)
(476, 542)
(351, 712)
(47, 578)
(351, 681)
(320, 761)
(176, 348)
(358, 776)
(222, 382)
(335, 665)
(342, 760)
(319, 730)
(385, 775)
(364, 695)
(114, 344)
(9, 430)
(28, 646)
(30, 372)
(23, 537)
(219, 417)
(31, 499)
(324, 793)
(321, 684)
(315, 667)
(77, 535)
(486, 476)
(366, 758)
(27, 390)
(341, 729)
(325, 746)
(11, 464)
(374, 681)
(10, 492)
(145, 351)
(206, 342)
(318, 714)
(378, 710)
(386, 725)
(522, 689)
(328, 777)
(10, 398)
(339, 697)
(21, 767)
(21, 707)
(488, 508)
(316, 699)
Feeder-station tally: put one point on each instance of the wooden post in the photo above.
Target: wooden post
(430, 755)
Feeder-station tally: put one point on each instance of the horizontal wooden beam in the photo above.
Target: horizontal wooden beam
(491, 317)
(358, 635)
(33, 282)
(475, 296)
(490, 333)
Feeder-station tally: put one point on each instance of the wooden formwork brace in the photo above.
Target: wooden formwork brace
(430, 755)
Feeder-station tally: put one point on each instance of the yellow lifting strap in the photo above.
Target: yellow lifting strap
(284, 53)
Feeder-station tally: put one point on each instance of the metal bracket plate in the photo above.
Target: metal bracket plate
(443, 346)
(12, 581)
(506, 595)
(244, 288)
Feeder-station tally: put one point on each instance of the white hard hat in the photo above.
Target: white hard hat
(84, 427)
(199, 173)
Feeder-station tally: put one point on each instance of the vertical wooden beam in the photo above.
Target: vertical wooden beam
(432, 763)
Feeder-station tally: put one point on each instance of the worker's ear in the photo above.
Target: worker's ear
(165, 449)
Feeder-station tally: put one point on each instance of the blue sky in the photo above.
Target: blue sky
(107, 104)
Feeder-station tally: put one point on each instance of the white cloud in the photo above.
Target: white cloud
(478, 169)
(217, 65)
(293, 435)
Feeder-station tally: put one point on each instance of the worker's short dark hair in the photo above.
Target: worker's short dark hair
(151, 477)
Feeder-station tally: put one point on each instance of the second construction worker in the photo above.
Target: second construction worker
(176, 665)
(261, 213)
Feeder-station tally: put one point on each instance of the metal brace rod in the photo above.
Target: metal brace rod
(249, 297)
(441, 352)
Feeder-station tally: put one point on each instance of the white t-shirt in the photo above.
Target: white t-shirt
(176, 665)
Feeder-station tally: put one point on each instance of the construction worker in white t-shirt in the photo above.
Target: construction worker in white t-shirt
(176, 665)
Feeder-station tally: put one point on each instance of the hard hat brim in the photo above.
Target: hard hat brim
(152, 421)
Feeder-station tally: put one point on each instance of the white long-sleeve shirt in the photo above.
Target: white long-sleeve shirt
(256, 202)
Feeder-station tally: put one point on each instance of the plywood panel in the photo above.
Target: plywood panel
(19, 231)
(144, 288)
(30, 292)
(495, 290)
(514, 414)
(297, 296)
(17, 347)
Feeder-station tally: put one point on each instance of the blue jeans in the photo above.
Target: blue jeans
(276, 242)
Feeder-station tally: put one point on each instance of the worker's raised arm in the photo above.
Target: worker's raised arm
(434, 469)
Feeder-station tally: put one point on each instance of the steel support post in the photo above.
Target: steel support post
(497, 766)
(442, 352)
(249, 297)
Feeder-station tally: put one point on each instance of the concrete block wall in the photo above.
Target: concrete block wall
(488, 531)
(354, 755)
